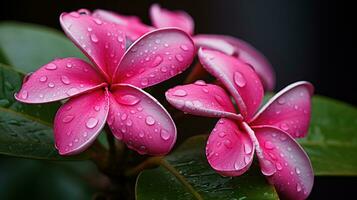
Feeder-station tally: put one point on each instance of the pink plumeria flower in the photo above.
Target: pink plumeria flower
(110, 90)
(269, 132)
(161, 18)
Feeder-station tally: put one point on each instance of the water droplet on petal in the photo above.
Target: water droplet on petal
(120, 38)
(247, 149)
(97, 21)
(180, 93)
(200, 83)
(184, 47)
(24, 94)
(51, 66)
(297, 170)
(65, 80)
(157, 61)
(123, 116)
(97, 108)
(278, 166)
(72, 91)
(51, 85)
(94, 38)
(228, 144)
(150, 120)
(92, 122)
(239, 79)
(165, 135)
(179, 57)
(220, 100)
(144, 82)
(67, 118)
(129, 100)
(141, 134)
(298, 187)
(267, 167)
(43, 79)
(238, 165)
(284, 126)
(281, 100)
(268, 145)
(221, 134)
(157, 41)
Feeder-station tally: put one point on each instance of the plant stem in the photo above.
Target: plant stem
(148, 163)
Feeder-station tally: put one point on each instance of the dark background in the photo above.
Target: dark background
(303, 39)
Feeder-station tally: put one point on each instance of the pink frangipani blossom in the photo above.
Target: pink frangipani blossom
(161, 18)
(269, 132)
(111, 89)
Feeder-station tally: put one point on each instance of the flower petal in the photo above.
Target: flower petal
(214, 43)
(131, 25)
(155, 57)
(161, 17)
(289, 110)
(247, 53)
(140, 121)
(293, 177)
(229, 150)
(59, 79)
(79, 121)
(238, 77)
(102, 42)
(202, 99)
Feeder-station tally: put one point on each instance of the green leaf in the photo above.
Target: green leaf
(25, 130)
(185, 174)
(332, 140)
(29, 46)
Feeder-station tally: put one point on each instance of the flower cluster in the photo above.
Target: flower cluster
(127, 56)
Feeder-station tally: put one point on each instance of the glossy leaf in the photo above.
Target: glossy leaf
(29, 46)
(185, 174)
(332, 139)
(25, 130)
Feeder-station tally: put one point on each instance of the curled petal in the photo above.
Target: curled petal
(202, 99)
(155, 57)
(79, 121)
(229, 150)
(247, 53)
(292, 173)
(214, 43)
(131, 25)
(289, 110)
(161, 18)
(140, 121)
(102, 42)
(238, 77)
(59, 79)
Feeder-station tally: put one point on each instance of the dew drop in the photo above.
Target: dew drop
(72, 91)
(179, 57)
(157, 41)
(150, 120)
(67, 118)
(298, 187)
(281, 100)
(120, 39)
(163, 69)
(157, 61)
(123, 116)
(129, 100)
(238, 165)
(24, 94)
(144, 82)
(97, 21)
(94, 38)
(180, 93)
(65, 80)
(200, 83)
(51, 66)
(267, 167)
(141, 134)
(92, 122)
(166, 45)
(205, 90)
(184, 47)
(43, 79)
(220, 100)
(278, 166)
(228, 144)
(284, 126)
(221, 134)
(239, 79)
(51, 85)
(165, 135)
(268, 145)
(247, 149)
(297, 170)
(97, 108)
